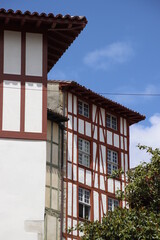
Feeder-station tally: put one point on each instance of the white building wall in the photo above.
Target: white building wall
(34, 49)
(33, 107)
(22, 184)
(11, 105)
(12, 52)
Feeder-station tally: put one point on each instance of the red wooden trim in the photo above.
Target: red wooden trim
(23, 135)
(22, 118)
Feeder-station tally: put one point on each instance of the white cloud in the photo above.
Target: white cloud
(115, 53)
(145, 135)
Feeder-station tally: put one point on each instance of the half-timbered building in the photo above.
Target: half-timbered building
(97, 143)
(30, 45)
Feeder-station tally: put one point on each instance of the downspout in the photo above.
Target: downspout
(62, 127)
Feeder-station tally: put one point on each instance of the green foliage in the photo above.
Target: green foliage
(142, 220)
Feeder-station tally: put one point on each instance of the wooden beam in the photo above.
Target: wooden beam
(62, 43)
(53, 55)
(53, 48)
(38, 24)
(62, 35)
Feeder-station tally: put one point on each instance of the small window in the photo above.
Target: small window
(111, 122)
(112, 159)
(84, 203)
(83, 108)
(84, 152)
(112, 204)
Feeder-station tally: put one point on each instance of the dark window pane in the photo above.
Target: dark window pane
(87, 212)
(114, 123)
(80, 111)
(80, 210)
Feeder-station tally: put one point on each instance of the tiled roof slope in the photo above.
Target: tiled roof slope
(87, 94)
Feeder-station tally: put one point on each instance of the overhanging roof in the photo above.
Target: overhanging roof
(61, 30)
(89, 95)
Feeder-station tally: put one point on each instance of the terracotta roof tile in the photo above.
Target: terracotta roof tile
(97, 99)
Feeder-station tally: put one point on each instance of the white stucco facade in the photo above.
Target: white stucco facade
(22, 184)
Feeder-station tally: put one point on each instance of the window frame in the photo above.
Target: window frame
(111, 122)
(113, 205)
(85, 205)
(111, 162)
(84, 154)
(83, 108)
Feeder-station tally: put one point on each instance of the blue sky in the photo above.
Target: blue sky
(119, 51)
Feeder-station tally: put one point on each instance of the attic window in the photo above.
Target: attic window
(83, 108)
(111, 121)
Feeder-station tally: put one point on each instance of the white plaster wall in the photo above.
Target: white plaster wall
(110, 185)
(34, 55)
(75, 124)
(101, 135)
(125, 127)
(69, 146)
(103, 117)
(70, 121)
(81, 175)
(75, 105)
(125, 143)
(88, 177)
(33, 107)
(102, 159)
(104, 203)
(74, 200)
(116, 140)
(80, 126)
(96, 205)
(11, 105)
(109, 137)
(117, 185)
(69, 198)
(69, 102)
(74, 172)
(95, 167)
(88, 129)
(126, 162)
(121, 142)
(22, 184)
(69, 170)
(94, 109)
(96, 180)
(102, 185)
(12, 52)
(122, 161)
(95, 133)
(69, 222)
(75, 149)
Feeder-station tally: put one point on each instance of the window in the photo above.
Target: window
(83, 108)
(111, 122)
(112, 158)
(84, 203)
(112, 204)
(84, 152)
